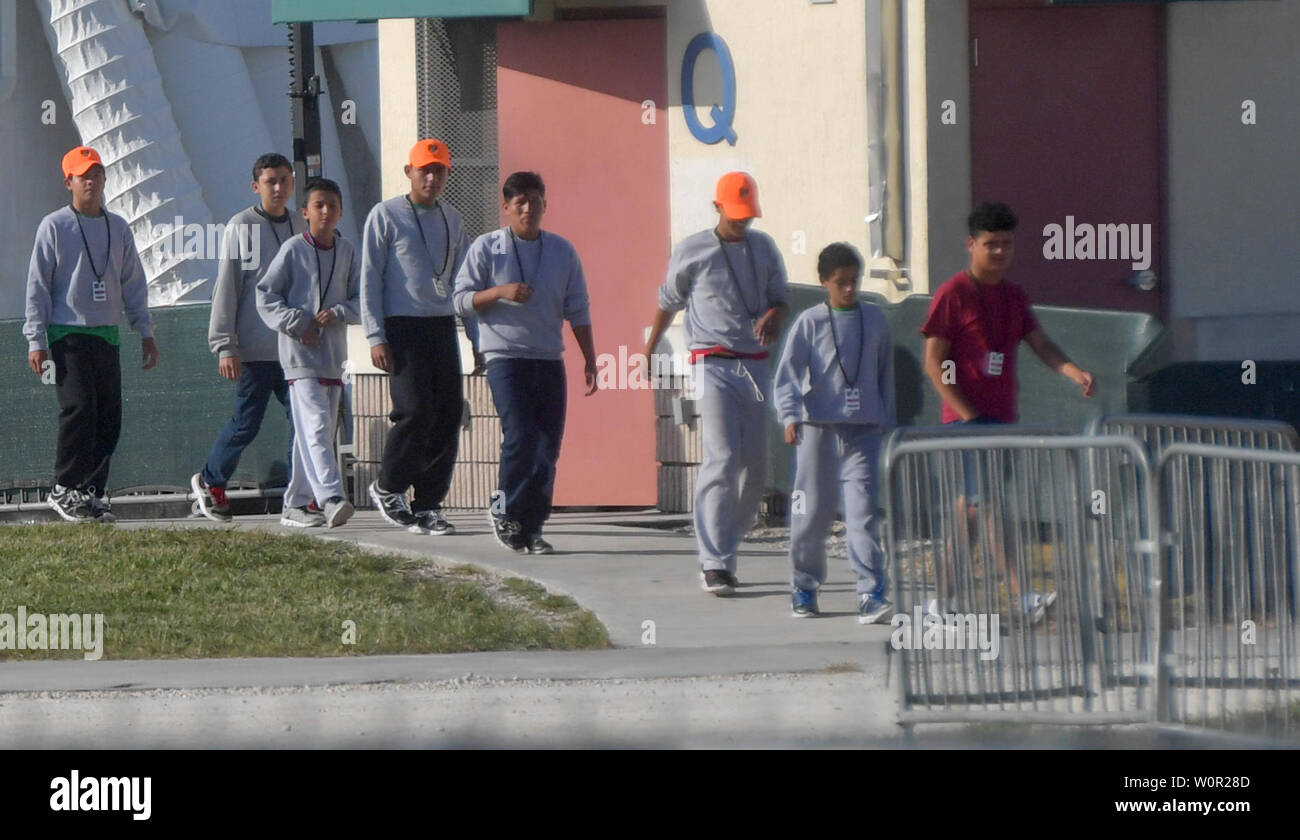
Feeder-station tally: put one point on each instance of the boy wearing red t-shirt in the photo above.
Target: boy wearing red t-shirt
(976, 322)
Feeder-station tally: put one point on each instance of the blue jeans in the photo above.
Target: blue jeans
(530, 397)
(968, 458)
(257, 382)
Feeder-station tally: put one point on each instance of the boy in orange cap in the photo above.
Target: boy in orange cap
(732, 283)
(83, 272)
(411, 250)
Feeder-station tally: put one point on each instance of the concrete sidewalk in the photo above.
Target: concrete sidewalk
(626, 576)
(641, 582)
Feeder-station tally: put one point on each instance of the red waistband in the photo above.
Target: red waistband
(719, 350)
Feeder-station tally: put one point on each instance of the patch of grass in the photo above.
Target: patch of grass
(841, 668)
(181, 593)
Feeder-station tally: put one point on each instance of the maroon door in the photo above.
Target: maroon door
(583, 103)
(1067, 121)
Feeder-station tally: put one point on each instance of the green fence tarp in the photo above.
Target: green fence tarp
(170, 415)
(307, 11)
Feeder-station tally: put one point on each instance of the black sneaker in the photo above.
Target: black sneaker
(507, 532)
(102, 509)
(432, 522)
(393, 508)
(71, 504)
(537, 545)
(717, 581)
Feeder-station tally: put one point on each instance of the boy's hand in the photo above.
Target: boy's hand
(1080, 377)
(517, 292)
(310, 335)
(1085, 380)
(768, 327)
(36, 360)
(480, 364)
(792, 434)
(149, 353)
(229, 367)
(382, 358)
(325, 317)
(589, 373)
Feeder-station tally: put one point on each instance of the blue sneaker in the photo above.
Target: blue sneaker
(872, 609)
(803, 603)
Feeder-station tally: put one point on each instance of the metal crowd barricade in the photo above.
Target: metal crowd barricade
(1232, 647)
(980, 518)
(1159, 431)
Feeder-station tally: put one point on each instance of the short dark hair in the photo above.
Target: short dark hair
(522, 182)
(322, 185)
(270, 160)
(989, 217)
(837, 255)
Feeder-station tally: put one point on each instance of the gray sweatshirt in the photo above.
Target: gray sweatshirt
(531, 330)
(235, 328)
(61, 284)
(398, 268)
(809, 386)
(717, 312)
(290, 294)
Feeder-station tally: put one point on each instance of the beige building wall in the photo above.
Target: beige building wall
(800, 121)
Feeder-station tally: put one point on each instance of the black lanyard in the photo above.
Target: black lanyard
(323, 281)
(271, 220)
(108, 253)
(446, 237)
(753, 266)
(987, 319)
(514, 245)
(862, 330)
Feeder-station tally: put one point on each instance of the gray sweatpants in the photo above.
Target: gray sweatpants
(732, 395)
(830, 460)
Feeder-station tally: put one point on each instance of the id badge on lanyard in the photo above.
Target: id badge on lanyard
(993, 363)
(852, 400)
(99, 290)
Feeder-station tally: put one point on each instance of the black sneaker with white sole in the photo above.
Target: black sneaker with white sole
(537, 545)
(393, 507)
(71, 504)
(507, 533)
(718, 581)
(432, 522)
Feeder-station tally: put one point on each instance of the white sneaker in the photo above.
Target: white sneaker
(337, 511)
(300, 517)
(1036, 604)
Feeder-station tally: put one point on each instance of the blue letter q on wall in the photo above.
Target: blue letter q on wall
(722, 115)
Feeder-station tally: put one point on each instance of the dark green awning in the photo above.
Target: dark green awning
(305, 11)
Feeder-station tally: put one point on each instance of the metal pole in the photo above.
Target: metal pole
(304, 90)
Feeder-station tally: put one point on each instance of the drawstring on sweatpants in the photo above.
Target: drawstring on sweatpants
(741, 370)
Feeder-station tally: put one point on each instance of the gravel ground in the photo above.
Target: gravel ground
(823, 710)
(829, 709)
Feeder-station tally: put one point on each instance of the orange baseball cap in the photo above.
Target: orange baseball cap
(429, 151)
(79, 160)
(738, 195)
